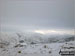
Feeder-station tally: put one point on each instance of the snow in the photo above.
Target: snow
(39, 49)
(33, 50)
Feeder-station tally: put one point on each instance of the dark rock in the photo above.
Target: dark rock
(21, 41)
(32, 43)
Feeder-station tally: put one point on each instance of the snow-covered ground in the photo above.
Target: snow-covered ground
(33, 50)
(14, 48)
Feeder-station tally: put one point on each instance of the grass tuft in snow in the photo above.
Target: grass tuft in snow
(19, 51)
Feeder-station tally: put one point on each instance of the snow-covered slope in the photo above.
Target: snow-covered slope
(33, 50)
(35, 38)
(32, 44)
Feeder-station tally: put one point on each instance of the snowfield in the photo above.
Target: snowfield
(32, 50)
(13, 45)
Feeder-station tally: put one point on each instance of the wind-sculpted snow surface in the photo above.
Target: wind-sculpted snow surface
(33, 50)
(32, 44)
(34, 38)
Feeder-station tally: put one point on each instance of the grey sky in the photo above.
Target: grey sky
(39, 14)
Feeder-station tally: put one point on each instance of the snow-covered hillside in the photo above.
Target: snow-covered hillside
(33, 50)
(29, 38)
(32, 44)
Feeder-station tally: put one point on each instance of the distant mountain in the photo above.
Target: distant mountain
(35, 38)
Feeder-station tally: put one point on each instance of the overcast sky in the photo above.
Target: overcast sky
(22, 15)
